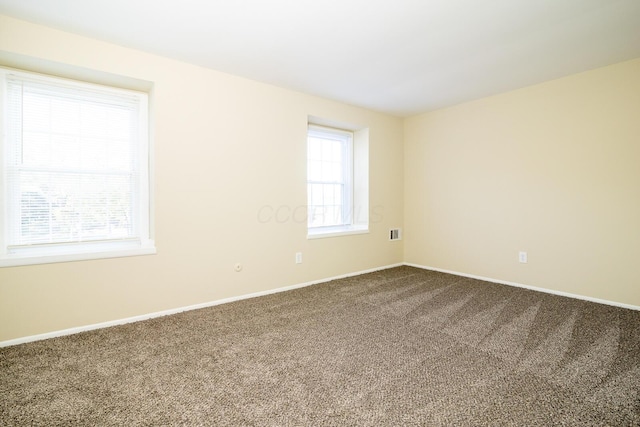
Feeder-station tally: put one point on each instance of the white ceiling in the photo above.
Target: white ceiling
(397, 56)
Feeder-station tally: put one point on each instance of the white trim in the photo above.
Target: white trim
(18, 261)
(339, 230)
(148, 316)
(532, 288)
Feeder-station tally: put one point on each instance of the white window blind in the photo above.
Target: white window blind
(75, 166)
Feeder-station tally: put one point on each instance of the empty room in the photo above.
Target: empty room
(320, 213)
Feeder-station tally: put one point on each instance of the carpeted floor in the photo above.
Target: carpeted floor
(399, 347)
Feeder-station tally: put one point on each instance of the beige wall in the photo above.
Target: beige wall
(225, 147)
(552, 169)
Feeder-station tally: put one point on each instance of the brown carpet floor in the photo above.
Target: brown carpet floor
(399, 347)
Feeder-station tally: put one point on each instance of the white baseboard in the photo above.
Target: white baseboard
(101, 325)
(533, 288)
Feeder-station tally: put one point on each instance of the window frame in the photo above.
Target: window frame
(141, 244)
(349, 224)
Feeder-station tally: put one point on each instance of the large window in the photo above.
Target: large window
(332, 181)
(75, 170)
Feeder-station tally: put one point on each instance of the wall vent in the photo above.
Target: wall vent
(394, 234)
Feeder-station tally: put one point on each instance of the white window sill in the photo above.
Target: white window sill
(324, 232)
(51, 256)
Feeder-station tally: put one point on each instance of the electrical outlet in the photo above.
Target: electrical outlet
(298, 257)
(522, 257)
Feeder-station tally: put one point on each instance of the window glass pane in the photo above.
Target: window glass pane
(65, 151)
(334, 170)
(316, 216)
(338, 194)
(326, 150)
(317, 194)
(332, 215)
(36, 149)
(94, 154)
(336, 151)
(314, 149)
(328, 194)
(36, 117)
(120, 155)
(314, 170)
(93, 120)
(65, 116)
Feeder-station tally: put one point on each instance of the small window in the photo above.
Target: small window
(75, 171)
(329, 177)
(337, 180)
